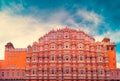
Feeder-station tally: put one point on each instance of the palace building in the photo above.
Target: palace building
(61, 55)
(13, 67)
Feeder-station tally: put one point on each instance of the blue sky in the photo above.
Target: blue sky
(23, 20)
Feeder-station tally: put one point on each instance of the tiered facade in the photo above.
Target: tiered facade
(69, 54)
(61, 55)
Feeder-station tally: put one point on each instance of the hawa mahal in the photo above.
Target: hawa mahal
(61, 55)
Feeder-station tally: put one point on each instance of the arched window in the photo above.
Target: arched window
(34, 58)
(34, 48)
(66, 45)
(52, 46)
(59, 46)
(2, 74)
(67, 58)
(106, 59)
(52, 58)
(80, 46)
(67, 71)
(33, 71)
(107, 72)
(28, 59)
(82, 72)
(66, 36)
(52, 71)
(101, 71)
(100, 59)
(81, 58)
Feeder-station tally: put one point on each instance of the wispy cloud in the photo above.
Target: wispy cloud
(113, 35)
(90, 16)
(88, 21)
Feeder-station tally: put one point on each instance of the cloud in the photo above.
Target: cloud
(23, 30)
(90, 16)
(113, 35)
(88, 21)
(118, 65)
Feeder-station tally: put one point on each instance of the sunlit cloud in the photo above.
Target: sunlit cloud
(118, 65)
(23, 30)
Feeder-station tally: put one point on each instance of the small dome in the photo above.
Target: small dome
(9, 45)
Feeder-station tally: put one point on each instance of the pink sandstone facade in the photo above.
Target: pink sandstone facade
(61, 55)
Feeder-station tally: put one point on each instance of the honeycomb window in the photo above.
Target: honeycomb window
(52, 71)
(2, 74)
(67, 71)
(66, 36)
(33, 71)
(81, 72)
(80, 46)
(67, 58)
(66, 45)
(52, 46)
(53, 58)
(34, 48)
(81, 58)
